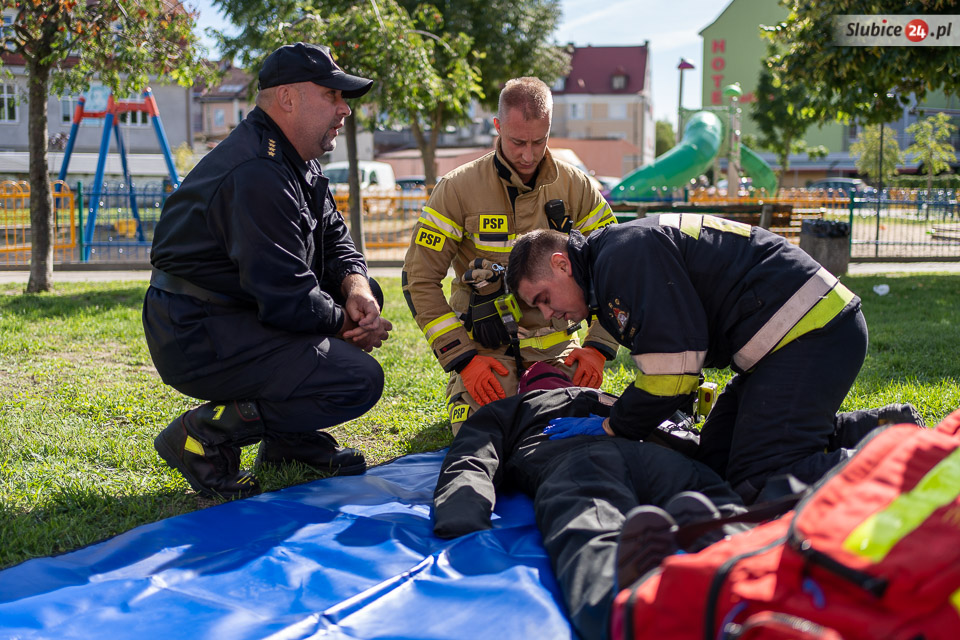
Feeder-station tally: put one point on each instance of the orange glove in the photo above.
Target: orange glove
(479, 379)
(589, 371)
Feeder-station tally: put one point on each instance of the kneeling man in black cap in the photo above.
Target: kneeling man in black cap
(259, 302)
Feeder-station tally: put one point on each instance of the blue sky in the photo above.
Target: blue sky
(671, 27)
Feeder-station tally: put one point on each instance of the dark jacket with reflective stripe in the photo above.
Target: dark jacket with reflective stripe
(502, 444)
(684, 292)
(255, 222)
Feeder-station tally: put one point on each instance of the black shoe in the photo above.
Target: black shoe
(692, 507)
(316, 449)
(904, 413)
(852, 427)
(212, 471)
(647, 537)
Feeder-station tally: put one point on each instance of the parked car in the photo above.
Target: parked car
(378, 185)
(376, 178)
(845, 186)
(411, 183)
(413, 193)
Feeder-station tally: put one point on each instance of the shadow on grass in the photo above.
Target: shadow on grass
(32, 306)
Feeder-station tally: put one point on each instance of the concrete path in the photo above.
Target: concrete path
(98, 275)
(102, 275)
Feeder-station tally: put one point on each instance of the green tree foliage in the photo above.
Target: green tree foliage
(864, 84)
(932, 144)
(63, 45)
(510, 38)
(866, 150)
(377, 39)
(666, 137)
(514, 38)
(415, 71)
(782, 112)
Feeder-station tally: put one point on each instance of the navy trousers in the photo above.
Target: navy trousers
(301, 382)
(778, 417)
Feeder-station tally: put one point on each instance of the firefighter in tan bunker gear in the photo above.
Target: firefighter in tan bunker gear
(469, 224)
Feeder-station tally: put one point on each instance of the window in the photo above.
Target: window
(618, 82)
(9, 111)
(6, 30)
(219, 119)
(559, 85)
(617, 111)
(133, 118)
(579, 111)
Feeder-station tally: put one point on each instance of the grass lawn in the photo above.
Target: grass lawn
(80, 402)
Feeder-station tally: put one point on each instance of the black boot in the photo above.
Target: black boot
(851, 427)
(204, 444)
(317, 449)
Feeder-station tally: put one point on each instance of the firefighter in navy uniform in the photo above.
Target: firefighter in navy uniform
(469, 224)
(259, 302)
(689, 291)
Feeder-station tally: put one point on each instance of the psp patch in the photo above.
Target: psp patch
(429, 239)
(493, 224)
(459, 413)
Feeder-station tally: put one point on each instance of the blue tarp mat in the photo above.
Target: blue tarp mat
(347, 557)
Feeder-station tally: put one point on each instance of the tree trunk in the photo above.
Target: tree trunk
(41, 203)
(356, 204)
(426, 153)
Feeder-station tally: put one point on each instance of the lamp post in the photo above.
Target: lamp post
(876, 244)
(683, 66)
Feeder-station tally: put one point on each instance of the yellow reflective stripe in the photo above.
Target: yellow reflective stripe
(874, 537)
(658, 364)
(667, 385)
(955, 600)
(670, 220)
(193, 446)
(436, 328)
(786, 317)
(688, 223)
(599, 217)
(722, 224)
(546, 341)
(441, 223)
(822, 313)
(500, 246)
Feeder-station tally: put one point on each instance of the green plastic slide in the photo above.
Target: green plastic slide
(689, 159)
(755, 167)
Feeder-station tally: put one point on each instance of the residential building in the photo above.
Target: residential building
(221, 108)
(733, 52)
(607, 95)
(138, 134)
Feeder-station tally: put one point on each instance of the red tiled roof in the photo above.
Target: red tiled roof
(592, 70)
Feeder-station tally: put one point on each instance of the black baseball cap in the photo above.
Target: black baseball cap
(302, 62)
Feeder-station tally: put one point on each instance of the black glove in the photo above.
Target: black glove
(488, 328)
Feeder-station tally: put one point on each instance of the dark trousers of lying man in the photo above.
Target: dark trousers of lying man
(583, 487)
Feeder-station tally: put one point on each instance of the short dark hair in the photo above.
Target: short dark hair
(530, 256)
(528, 94)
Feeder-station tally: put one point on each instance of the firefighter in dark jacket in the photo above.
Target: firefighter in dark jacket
(686, 291)
(259, 302)
(584, 489)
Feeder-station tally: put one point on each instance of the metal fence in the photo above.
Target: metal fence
(903, 225)
(16, 229)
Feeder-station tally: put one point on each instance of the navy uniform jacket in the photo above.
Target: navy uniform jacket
(689, 291)
(254, 222)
